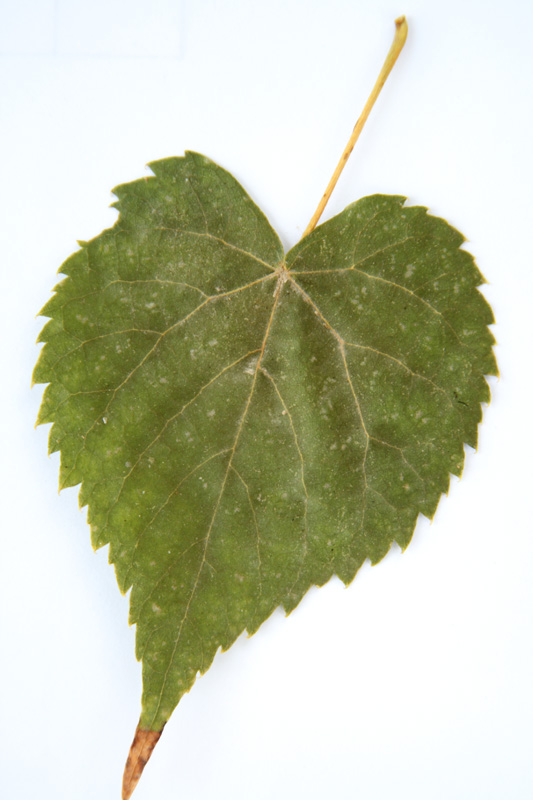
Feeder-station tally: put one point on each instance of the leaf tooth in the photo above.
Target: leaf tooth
(163, 166)
(40, 370)
(166, 168)
(131, 189)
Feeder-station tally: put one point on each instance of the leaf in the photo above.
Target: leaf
(245, 424)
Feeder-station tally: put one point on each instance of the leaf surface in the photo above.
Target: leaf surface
(245, 424)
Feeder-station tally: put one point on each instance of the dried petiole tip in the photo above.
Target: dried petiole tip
(140, 751)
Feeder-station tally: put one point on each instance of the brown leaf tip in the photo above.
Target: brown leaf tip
(140, 751)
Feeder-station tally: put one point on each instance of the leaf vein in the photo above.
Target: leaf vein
(208, 235)
(164, 504)
(219, 498)
(170, 420)
(256, 526)
(401, 364)
(185, 319)
(302, 472)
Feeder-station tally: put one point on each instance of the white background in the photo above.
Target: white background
(415, 682)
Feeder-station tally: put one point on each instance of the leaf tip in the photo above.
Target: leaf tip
(141, 749)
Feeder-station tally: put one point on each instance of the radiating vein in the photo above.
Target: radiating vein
(207, 235)
(220, 495)
(356, 345)
(401, 364)
(165, 503)
(302, 470)
(161, 281)
(150, 352)
(363, 425)
(399, 286)
(173, 418)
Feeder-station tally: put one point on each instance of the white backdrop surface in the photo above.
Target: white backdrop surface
(415, 682)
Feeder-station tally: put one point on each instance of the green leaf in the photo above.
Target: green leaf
(245, 424)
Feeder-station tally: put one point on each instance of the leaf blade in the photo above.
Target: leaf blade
(245, 426)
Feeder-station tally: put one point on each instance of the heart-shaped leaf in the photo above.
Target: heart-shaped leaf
(245, 424)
